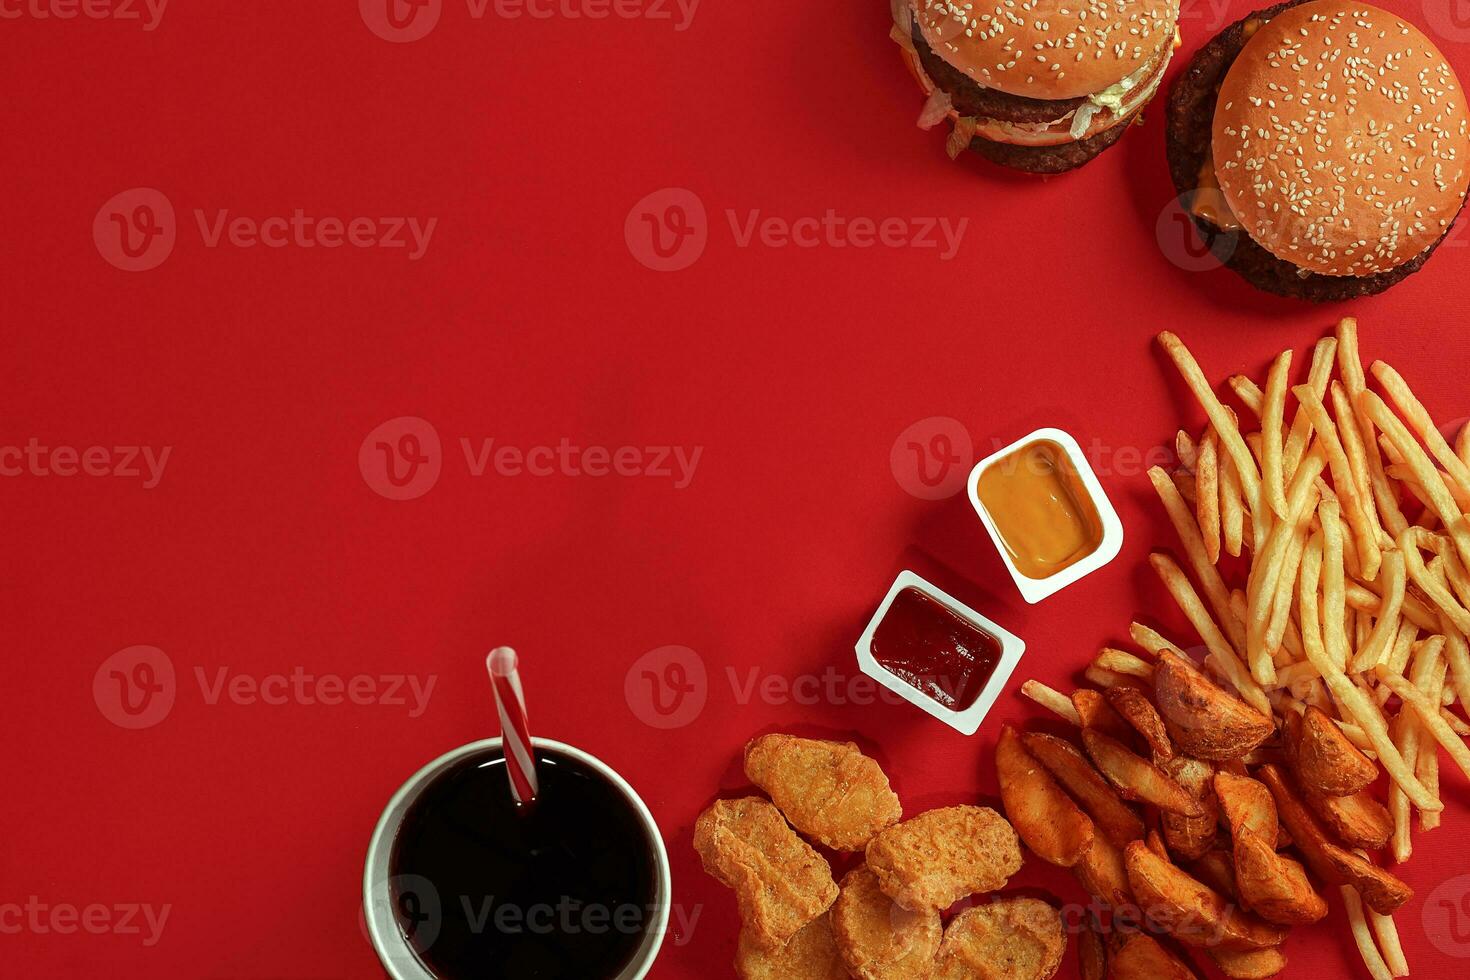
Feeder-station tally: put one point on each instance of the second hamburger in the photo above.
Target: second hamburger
(1037, 85)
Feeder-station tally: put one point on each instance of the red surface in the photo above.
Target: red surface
(263, 548)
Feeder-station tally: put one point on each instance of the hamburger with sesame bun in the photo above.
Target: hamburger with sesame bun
(1321, 147)
(1036, 85)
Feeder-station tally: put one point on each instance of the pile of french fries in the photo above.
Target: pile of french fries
(1325, 543)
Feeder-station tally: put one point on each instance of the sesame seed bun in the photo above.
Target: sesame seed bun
(1341, 139)
(1048, 49)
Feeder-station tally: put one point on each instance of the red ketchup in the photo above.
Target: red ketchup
(939, 653)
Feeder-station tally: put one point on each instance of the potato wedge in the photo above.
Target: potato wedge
(1203, 720)
(1095, 712)
(1143, 957)
(1383, 892)
(1306, 832)
(1092, 955)
(1045, 817)
(1192, 837)
(1102, 873)
(1217, 869)
(1272, 886)
(1135, 777)
(1324, 760)
(1249, 964)
(1101, 802)
(1248, 806)
(1192, 912)
(1358, 820)
(1135, 708)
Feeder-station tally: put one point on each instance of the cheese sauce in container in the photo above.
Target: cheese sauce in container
(1046, 512)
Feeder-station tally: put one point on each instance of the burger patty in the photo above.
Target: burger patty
(1049, 159)
(972, 99)
(1190, 133)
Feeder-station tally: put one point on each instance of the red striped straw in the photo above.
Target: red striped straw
(515, 734)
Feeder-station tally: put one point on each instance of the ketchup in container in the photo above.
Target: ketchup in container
(928, 646)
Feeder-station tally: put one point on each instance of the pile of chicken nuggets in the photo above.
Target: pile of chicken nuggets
(885, 920)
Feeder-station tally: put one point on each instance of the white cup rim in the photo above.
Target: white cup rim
(398, 957)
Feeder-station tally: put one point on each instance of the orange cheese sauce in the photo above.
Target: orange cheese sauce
(1209, 200)
(1043, 514)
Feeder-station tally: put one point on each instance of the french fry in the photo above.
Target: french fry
(1301, 426)
(1207, 486)
(1462, 443)
(1286, 587)
(1423, 425)
(1384, 495)
(1388, 942)
(1184, 483)
(1103, 678)
(1362, 935)
(1438, 593)
(1195, 550)
(1353, 505)
(1232, 510)
(1272, 422)
(1334, 583)
(1357, 457)
(1457, 655)
(1220, 417)
(1443, 503)
(1122, 662)
(1248, 392)
(1186, 450)
(1386, 629)
(1429, 717)
(1151, 640)
(1189, 602)
(1365, 598)
(1262, 587)
(1053, 701)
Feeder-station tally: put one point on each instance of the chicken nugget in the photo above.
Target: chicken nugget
(811, 954)
(879, 940)
(1009, 939)
(780, 882)
(829, 791)
(944, 855)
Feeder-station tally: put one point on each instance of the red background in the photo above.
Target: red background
(529, 320)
